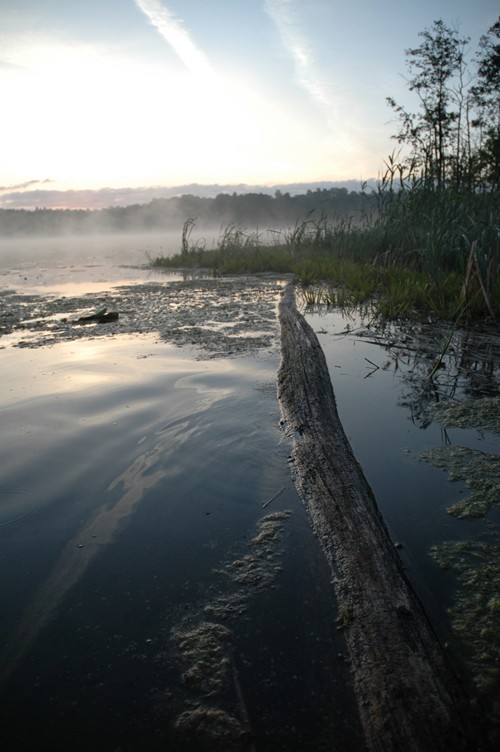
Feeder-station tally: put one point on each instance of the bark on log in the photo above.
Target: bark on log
(409, 697)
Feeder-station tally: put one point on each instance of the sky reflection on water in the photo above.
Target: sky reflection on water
(385, 401)
(148, 469)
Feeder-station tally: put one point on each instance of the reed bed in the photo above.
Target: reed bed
(421, 253)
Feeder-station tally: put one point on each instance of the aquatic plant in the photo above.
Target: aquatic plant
(204, 645)
(476, 609)
(479, 413)
(479, 470)
(475, 563)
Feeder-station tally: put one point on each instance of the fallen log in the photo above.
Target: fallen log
(409, 696)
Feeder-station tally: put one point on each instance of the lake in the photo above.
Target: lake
(161, 586)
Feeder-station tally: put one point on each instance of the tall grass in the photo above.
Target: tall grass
(237, 251)
(423, 252)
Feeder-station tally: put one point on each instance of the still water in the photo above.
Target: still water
(160, 585)
(130, 473)
(385, 401)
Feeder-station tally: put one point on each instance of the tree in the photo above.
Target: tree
(436, 66)
(486, 96)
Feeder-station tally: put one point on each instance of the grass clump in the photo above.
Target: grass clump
(237, 251)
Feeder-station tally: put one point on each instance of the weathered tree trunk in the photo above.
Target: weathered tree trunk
(408, 695)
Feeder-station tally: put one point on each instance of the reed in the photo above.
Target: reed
(421, 253)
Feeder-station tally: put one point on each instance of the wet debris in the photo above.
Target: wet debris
(100, 317)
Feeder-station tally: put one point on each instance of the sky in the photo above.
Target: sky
(120, 94)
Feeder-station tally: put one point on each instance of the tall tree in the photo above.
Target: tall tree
(435, 67)
(486, 96)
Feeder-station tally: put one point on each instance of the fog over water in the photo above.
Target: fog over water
(132, 248)
(110, 248)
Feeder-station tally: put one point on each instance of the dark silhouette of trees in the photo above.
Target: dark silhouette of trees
(430, 131)
(453, 137)
(260, 211)
(486, 94)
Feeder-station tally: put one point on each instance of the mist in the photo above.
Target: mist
(257, 210)
(121, 248)
(138, 233)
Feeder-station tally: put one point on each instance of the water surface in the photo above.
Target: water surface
(135, 473)
(150, 533)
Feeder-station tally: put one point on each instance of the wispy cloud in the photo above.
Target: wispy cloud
(22, 186)
(173, 31)
(283, 14)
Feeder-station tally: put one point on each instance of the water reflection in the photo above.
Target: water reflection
(435, 363)
(418, 400)
(174, 462)
(123, 494)
(171, 461)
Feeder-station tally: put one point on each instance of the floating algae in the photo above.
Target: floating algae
(205, 646)
(218, 317)
(476, 564)
(211, 729)
(479, 413)
(479, 470)
(259, 567)
(253, 572)
(476, 612)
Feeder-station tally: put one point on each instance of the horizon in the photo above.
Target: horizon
(108, 198)
(164, 93)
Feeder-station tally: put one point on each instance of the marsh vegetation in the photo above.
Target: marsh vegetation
(421, 254)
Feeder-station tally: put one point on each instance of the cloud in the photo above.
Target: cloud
(283, 15)
(331, 97)
(175, 34)
(22, 186)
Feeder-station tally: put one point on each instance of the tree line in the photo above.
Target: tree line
(255, 210)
